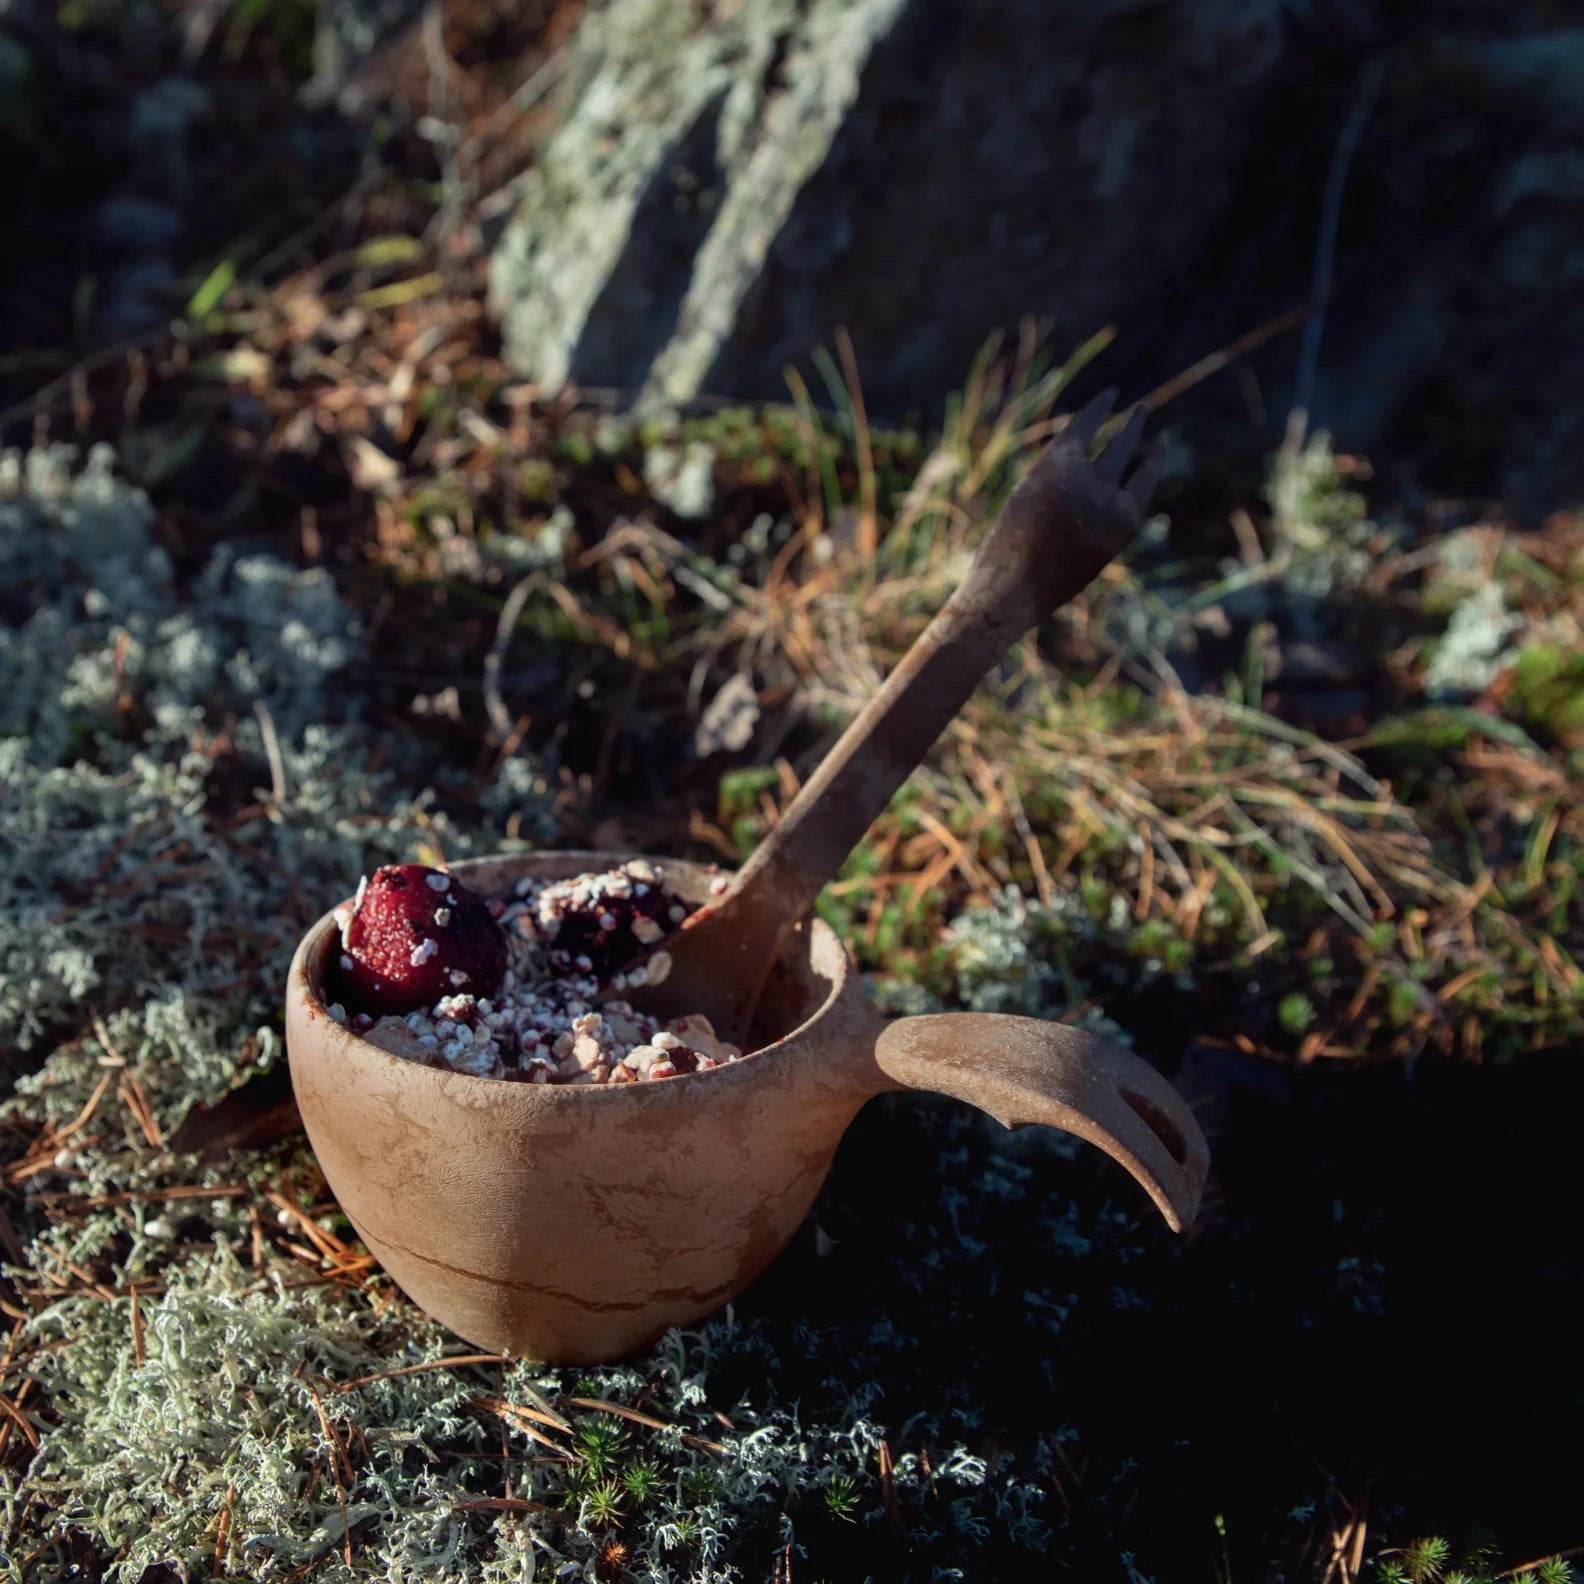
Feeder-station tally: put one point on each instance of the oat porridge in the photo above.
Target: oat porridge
(506, 987)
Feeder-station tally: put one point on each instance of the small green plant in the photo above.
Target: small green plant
(600, 1444)
(681, 1532)
(601, 1507)
(699, 1487)
(1553, 1570)
(1548, 691)
(739, 800)
(1223, 1562)
(641, 1479)
(1429, 1560)
(1295, 1012)
(842, 1499)
(1425, 1560)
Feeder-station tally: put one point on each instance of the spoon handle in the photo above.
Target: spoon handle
(1066, 519)
(1032, 560)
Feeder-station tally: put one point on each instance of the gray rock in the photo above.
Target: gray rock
(130, 224)
(19, 106)
(727, 184)
(160, 134)
(1453, 340)
(720, 197)
(136, 297)
(1459, 328)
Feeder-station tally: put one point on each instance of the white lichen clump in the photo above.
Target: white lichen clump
(1476, 646)
(149, 862)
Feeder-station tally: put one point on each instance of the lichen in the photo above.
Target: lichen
(243, 1402)
(1475, 647)
(183, 787)
(682, 479)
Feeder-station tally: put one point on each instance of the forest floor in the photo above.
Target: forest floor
(1288, 800)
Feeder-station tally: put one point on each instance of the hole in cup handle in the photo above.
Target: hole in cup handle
(1159, 1124)
(1026, 1071)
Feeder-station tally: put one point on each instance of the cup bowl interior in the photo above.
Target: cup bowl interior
(807, 978)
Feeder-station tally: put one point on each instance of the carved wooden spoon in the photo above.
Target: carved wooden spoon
(1070, 516)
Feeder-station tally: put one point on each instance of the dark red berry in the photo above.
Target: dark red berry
(598, 923)
(413, 936)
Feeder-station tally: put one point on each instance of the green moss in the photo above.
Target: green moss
(1548, 691)
(1295, 1012)
(576, 448)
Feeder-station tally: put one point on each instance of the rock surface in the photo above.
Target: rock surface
(1460, 321)
(728, 184)
(721, 195)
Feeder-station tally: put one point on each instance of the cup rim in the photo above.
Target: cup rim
(300, 986)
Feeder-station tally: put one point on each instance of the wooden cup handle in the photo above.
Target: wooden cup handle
(1026, 1070)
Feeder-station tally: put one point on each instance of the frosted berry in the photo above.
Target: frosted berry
(597, 923)
(413, 936)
